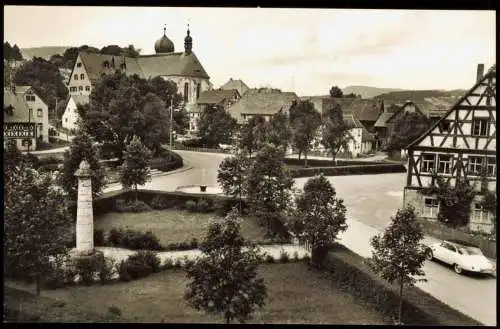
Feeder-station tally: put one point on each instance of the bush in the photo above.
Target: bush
(160, 202)
(194, 243)
(131, 206)
(168, 264)
(107, 271)
(177, 263)
(139, 265)
(191, 206)
(88, 267)
(56, 279)
(134, 240)
(165, 162)
(269, 259)
(99, 238)
(284, 258)
(203, 206)
(184, 246)
(115, 310)
(295, 256)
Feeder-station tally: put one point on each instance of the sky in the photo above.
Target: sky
(302, 50)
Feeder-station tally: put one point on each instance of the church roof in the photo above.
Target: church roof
(146, 66)
(238, 84)
(263, 102)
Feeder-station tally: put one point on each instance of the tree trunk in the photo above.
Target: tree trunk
(305, 159)
(135, 192)
(37, 283)
(228, 319)
(299, 154)
(334, 156)
(400, 312)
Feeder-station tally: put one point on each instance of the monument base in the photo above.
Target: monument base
(88, 259)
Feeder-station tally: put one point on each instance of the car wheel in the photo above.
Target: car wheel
(457, 269)
(429, 255)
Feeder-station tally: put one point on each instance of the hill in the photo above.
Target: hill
(368, 92)
(43, 52)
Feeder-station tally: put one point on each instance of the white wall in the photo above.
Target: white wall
(41, 118)
(77, 82)
(70, 116)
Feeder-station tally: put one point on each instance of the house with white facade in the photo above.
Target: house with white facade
(70, 116)
(38, 110)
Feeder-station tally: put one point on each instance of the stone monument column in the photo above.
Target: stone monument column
(84, 213)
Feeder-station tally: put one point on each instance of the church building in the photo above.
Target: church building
(182, 67)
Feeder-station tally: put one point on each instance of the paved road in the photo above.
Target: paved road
(371, 201)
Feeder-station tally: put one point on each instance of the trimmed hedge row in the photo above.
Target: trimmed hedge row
(370, 169)
(327, 163)
(164, 163)
(350, 272)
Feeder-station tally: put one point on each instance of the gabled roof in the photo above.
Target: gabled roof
(363, 109)
(22, 89)
(395, 110)
(264, 102)
(216, 96)
(352, 122)
(239, 85)
(382, 119)
(490, 74)
(20, 110)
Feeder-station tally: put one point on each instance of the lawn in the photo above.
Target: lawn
(295, 295)
(172, 226)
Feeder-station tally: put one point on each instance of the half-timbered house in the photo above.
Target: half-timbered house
(460, 144)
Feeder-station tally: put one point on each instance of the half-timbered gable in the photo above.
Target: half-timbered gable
(460, 144)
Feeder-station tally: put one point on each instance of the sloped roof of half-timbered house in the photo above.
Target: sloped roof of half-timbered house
(482, 96)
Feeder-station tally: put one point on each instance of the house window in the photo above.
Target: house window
(105, 64)
(445, 126)
(30, 98)
(198, 89)
(431, 207)
(87, 88)
(444, 163)
(480, 127)
(491, 169)
(475, 165)
(78, 64)
(72, 89)
(82, 76)
(39, 112)
(186, 92)
(66, 120)
(479, 214)
(75, 77)
(80, 88)
(428, 162)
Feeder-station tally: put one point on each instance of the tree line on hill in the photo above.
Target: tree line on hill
(11, 52)
(68, 58)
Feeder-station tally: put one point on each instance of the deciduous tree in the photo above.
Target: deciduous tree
(398, 255)
(269, 184)
(335, 132)
(232, 174)
(135, 168)
(224, 280)
(406, 129)
(320, 216)
(216, 126)
(336, 92)
(81, 148)
(280, 133)
(35, 223)
(306, 121)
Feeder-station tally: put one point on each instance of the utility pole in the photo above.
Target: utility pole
(171, 123)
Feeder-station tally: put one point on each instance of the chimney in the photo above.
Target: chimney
(480, 72)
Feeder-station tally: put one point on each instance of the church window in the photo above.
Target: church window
(198, 89)
(186, 92)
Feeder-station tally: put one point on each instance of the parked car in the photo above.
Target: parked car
(462, 256)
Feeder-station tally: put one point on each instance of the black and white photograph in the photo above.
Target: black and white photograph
(255, 165)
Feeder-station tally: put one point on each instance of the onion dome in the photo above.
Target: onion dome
(164, 44)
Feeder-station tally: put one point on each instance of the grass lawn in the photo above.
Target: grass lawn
(172, 226)
(295, 295)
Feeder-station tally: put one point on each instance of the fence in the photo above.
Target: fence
(200, 149)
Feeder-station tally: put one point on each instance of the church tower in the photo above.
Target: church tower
(188, 43)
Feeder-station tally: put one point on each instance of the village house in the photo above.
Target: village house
(70, 116)
(183, 68)
(238, 84)
(263, 101)
(19, 124)
(461, 144)
(386, 122)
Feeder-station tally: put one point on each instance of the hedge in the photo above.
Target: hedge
(327, 163)
(165, 164)
(381, 168)
(349, 271)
